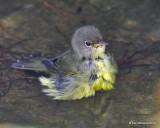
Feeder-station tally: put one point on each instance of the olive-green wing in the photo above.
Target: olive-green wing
(63, 63)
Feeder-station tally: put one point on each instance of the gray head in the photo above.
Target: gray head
(87, 42)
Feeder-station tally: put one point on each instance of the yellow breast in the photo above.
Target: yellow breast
(105, 76)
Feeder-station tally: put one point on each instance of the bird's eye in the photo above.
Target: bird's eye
(88, 43)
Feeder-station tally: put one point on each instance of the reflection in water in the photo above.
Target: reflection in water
(86, 113)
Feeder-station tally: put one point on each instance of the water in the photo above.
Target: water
(33, 28)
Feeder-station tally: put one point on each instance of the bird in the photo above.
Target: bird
(80, 71)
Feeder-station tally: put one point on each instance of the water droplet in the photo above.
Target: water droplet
(30, 81)
(30, 55)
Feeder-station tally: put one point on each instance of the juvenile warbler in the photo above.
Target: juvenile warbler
(78, 72)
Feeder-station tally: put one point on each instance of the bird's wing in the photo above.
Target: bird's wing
(64, 62)
(35, 63)
(68, 63)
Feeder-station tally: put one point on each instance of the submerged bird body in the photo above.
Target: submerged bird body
(79, 72)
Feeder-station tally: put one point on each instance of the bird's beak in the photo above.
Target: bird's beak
(100, 43)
